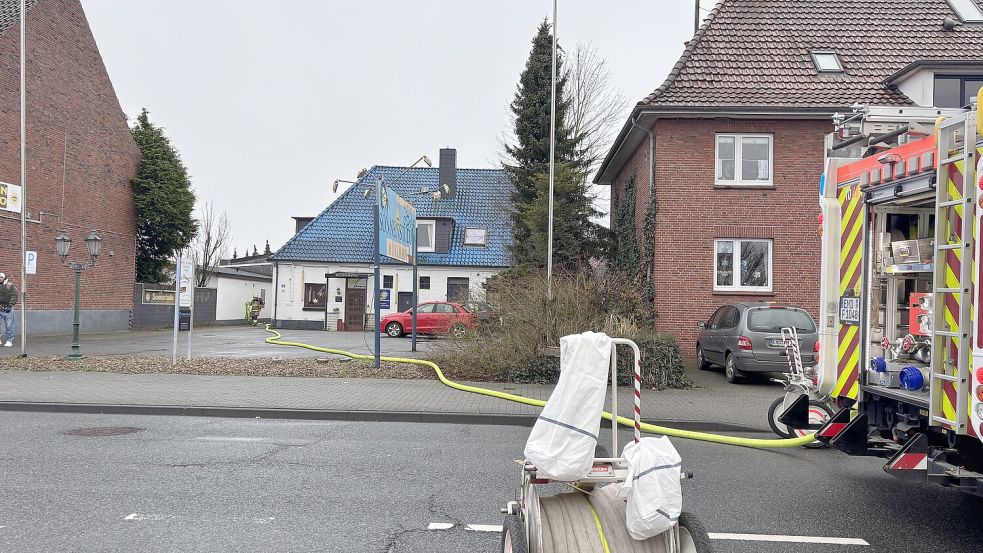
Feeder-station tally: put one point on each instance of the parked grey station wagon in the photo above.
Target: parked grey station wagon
(747, 337)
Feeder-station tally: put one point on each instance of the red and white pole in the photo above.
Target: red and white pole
(638, 400)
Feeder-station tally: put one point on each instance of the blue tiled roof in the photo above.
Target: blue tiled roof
(342, 233)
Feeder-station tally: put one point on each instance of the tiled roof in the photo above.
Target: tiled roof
(10, 13)
(342, 233)
(756, 53)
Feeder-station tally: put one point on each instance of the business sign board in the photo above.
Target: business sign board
(187, 281)
(397, 226)
(384, 296)
(158, 297)
(10, 197)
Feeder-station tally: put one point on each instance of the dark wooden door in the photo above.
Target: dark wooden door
(354, 308)
(404, 301)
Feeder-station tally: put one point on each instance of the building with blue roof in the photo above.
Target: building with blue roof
(323, 275)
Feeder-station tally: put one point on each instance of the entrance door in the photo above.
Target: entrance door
(404, 302)
(355, 289)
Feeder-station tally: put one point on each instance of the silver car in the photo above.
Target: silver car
(746, 338)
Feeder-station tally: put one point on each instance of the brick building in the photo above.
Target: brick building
(80, 159)
(730, 147)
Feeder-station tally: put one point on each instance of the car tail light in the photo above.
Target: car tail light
(744, 343)
(815, 348)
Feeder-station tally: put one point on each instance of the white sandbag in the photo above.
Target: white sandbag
(562, 441)
(653, 487)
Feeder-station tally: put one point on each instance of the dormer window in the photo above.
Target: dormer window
(967, 10)
(426, 233)
(955, 91)
(827, 62)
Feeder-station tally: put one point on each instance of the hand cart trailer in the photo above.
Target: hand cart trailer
(590, 518)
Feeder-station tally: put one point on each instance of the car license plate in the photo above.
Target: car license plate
(776, 343)
(600, 470)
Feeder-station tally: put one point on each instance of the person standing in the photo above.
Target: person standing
(8, 299)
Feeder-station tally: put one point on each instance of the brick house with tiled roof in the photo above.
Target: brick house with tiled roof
(80, 159)
(730, 147)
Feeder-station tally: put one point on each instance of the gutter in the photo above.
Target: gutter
(651, 196)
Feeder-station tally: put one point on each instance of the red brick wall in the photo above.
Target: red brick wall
(692, 213)
(80, 160)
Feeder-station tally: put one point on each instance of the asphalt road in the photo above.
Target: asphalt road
(193, 484)
(218, 341)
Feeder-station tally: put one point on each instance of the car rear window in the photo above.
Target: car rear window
(774, 319)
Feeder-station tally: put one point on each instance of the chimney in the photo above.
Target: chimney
(448, 172)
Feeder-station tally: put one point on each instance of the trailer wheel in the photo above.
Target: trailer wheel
(514, 536)
(693, 536)
(775, 411)
(819, 413)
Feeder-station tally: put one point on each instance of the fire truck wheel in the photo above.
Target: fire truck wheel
(734, 375)
(775, 411)
(701, 360)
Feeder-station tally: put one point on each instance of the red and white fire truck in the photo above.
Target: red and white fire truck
(901, 336)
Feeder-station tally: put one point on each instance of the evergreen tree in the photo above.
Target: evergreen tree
(255, 251)
(530, 156)
(164, 202)
(266, 250)
(234, 254)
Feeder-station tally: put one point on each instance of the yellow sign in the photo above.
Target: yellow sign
(10, 197)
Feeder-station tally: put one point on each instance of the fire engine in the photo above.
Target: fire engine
(901, 344)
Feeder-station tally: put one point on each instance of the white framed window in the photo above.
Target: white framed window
(827, 62)
(967, 10)
(475, 236)
(744, 159)
(426, 232)
(741, 265)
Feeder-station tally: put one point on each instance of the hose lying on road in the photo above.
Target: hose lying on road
(651, 428)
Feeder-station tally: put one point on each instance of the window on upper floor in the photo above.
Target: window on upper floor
(742, 265)
(967, 10)
(955, 91)
(426, 232)
(743, 159)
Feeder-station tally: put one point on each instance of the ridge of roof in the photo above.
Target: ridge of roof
(684, 57)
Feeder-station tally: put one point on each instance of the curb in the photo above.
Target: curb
(435, 417)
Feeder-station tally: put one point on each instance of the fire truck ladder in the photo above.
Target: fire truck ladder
(954, 236)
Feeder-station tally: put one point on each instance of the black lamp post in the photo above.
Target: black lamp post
(62, 244)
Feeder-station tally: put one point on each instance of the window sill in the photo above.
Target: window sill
(763, 185)
(742, 293)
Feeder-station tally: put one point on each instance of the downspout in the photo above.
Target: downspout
(276, 267)
(651, 196)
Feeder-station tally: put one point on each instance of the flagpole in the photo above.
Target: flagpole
(23, 176)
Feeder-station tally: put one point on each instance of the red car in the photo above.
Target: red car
(435, 317)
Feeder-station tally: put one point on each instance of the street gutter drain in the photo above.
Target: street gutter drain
(100, 431)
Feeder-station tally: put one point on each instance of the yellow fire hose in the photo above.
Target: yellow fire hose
(625, 421)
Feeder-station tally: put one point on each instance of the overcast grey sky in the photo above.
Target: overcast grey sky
(269, 102)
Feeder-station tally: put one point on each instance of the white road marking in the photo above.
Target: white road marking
(440, 526)
(484, 527)
(789, 539)
(230, 439)
(266, 520)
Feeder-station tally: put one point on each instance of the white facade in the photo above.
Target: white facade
(232, 294)
(919, 85)
(289, 280)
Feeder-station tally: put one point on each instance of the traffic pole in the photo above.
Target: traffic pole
(375, 242)
(23, 177)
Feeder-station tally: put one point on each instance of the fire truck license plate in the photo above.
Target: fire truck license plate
(850, 310)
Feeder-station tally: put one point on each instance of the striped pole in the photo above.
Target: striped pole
(638, 400)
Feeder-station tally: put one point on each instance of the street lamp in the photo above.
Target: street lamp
(62, 245)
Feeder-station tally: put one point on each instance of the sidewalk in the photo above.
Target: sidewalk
(715, 406)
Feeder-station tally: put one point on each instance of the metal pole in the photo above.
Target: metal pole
(76, 350)
(549, 232)
(177, 306)
(416, 283)
(696, 15)
(191, 321)
(23, 176)
(375, 245)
